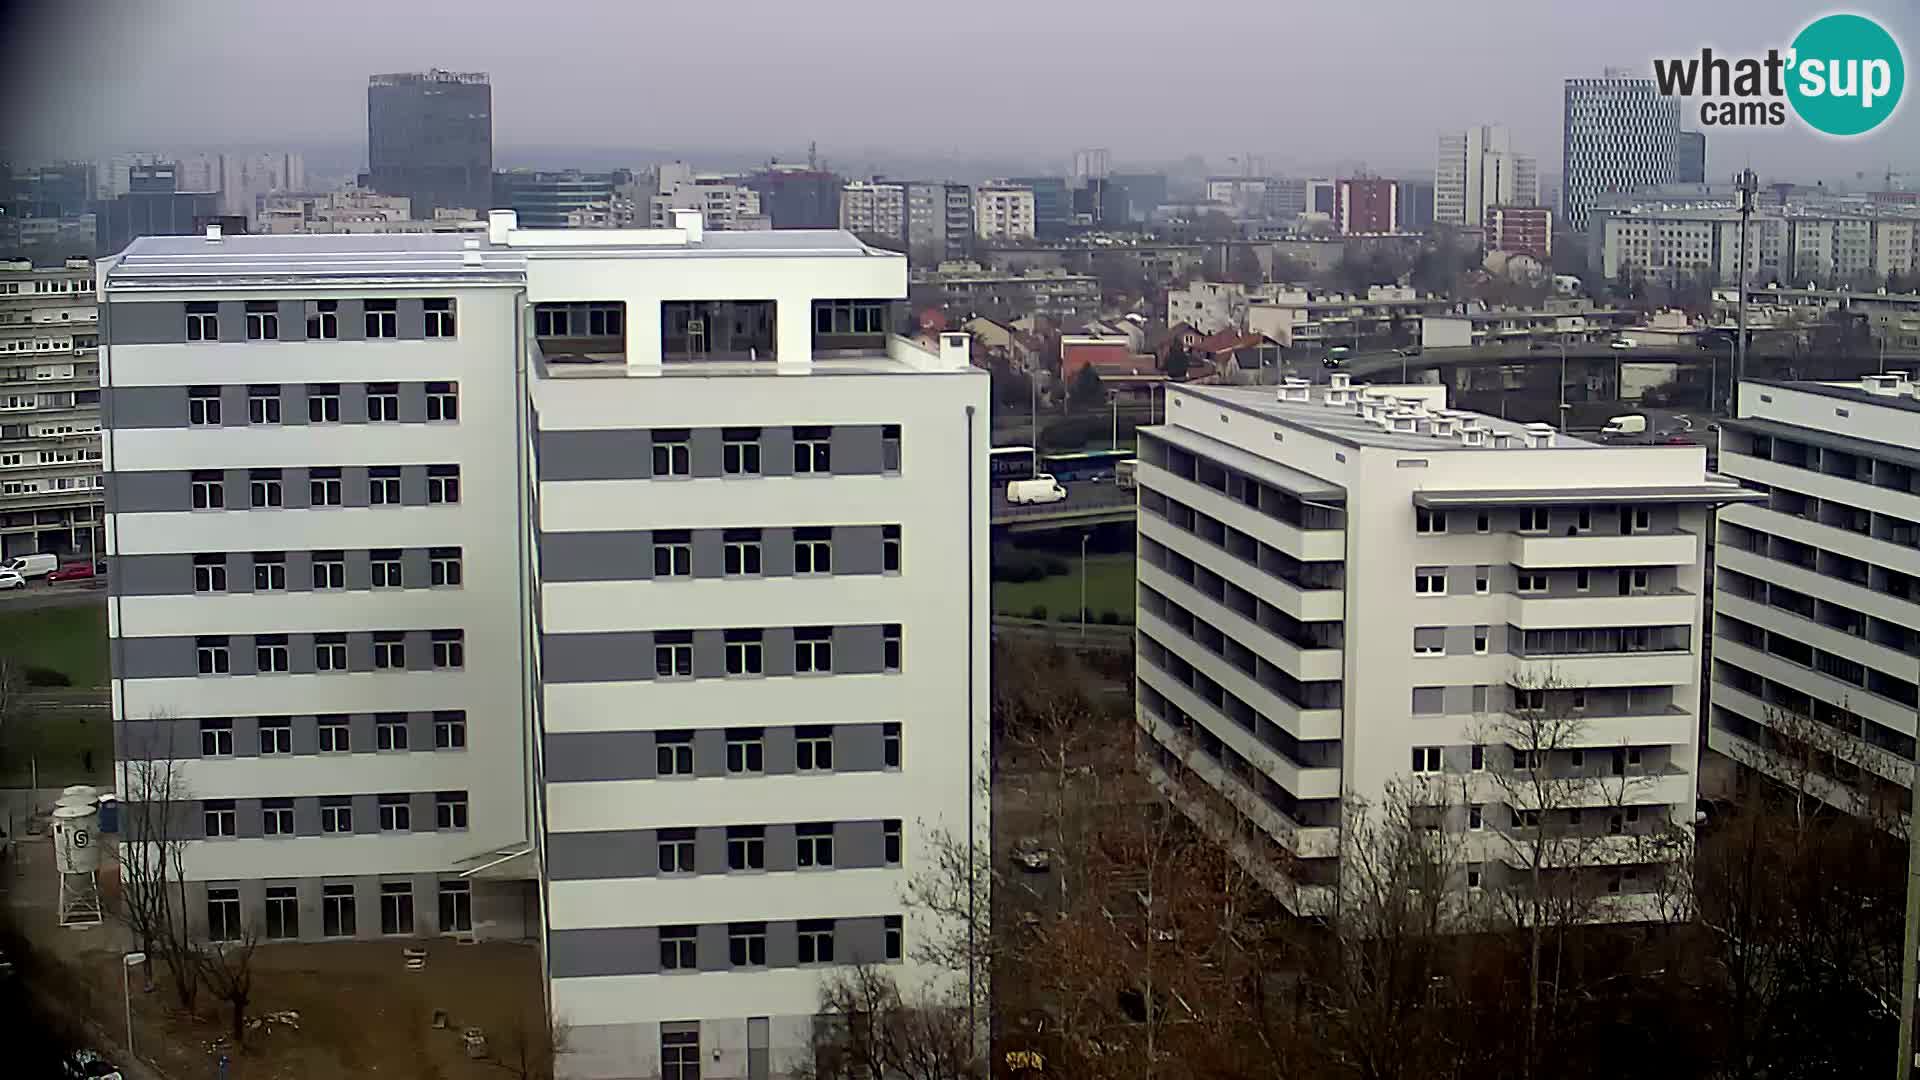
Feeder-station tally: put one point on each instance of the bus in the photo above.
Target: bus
(1006, 463)
(1085, 464)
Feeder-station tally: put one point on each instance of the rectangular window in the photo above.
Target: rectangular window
(456, 907)
(336, 737)
(673, 654)
(330, 652)
(890, 648)
(396, 907)
(675, 848)
(816, 845)
(812, 650)
(276, 735)
(450, 810)
(746, 847)
(1426, 759)
(439, 314)
(324, 487)
(816, 941)
(383, 403)
(890, 449)
(323, 403)
(1480, 637)
(746, 751)
(383, 485)
(813, 749)
(1476, 816)
(673, 753)
(1428, 522)
(337, 910)
(1581, 580)
(1429, 640)
(211, 655)
(1637, 580)
(389, 650)
(383, 318)
(1482, 579)
(443, 484)
(203, 322)
(1482, 522)
(1641, 520)
(329, 570)
(264, 490)
(890, 549)
(336, 815)
(812, 450)
(449, 649)
(671, 454)
(217, 817)
(1583, 521)
(443, 566)
(1531, 582)
(216, 738)
(390, 731)
(209, 491)
(742, 552)
(679, 1054)
(323, 320)
(276, 817)
(672, 553)
(1429, 582)
(396, 813)
(209, 573)
(1533, 519)
(891, 843)
(443, 402)
(743, 652)
(223, 912)
(203, 406)
(263, 404)
(747, 944)
(740, 451)
(890, 745)
(450, 730)
(383, 566)
(677, 951)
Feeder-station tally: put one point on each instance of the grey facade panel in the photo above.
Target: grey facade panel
(860, 940)
(233, 406)
(711, 948)
(710, 752)
(151, 492)
(856, 549)
(583, 756)
(233, 320)
(1457, 700)
(709, 654)
(858, 845)
(710, 849)
(359, 572)
(299, 571)
(415, 569)
(306, 810)
(413, 402)
(776, 552)
(144, 323)
(163, 657)
(360, 733)
(419, 727)
(411, 322)
(293, 320)
(353, 321)
(360, 651)
(783, 847)
(353, 401)
(246, 819)
(609, 657)
(413, 485)
(777, 751)
(856, 450)
(300, 658)
(420, 805)
(703, 447)
(293, 397)
(783, 944)
(355, 488)
(157, 738)
(306, 729)
(1428, 700)
(584, 856)
(419, 646)
(596, 455)
(145, 406)
(596, 556)
(858, 748)
(857, 650)
(246, 736)
(777, 650)
(585, 953)
(239, 572)
(154, 575)
(776, 451)
(709, 554)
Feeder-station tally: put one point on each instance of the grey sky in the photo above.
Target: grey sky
(1303, 85)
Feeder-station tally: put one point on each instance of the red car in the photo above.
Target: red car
(74, 571)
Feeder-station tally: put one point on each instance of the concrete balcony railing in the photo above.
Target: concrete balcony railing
(1307, 545)
(1678, 667)
(1601, 609)
(1305, 841)
(1305, 664)
(1303, 782)
(1675, 548)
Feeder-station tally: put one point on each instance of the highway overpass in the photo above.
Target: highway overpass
(1087, 503)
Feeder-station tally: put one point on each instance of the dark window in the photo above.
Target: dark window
(203, 322)
(812, 450)
(677, 948)
(439, 319)
(673, 753)
(203, 406)
(890, 549)
(444, 565)
(383, 318)
(747, 944)
(740, 451)
(676, 851)
(449, 730)
(383, 403)
(890, 745)
(890, 649)
(746, 847)
(263, 320)
(263, 404)
(443, 401)
(813, 748)
(815, 845)
(443, 484)
(816, 941)
(744, 656)
(323, 320)
(891, 844)
(746, 750)
(323, 403)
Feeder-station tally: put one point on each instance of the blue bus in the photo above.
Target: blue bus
(1006, 463)
(1085, 464)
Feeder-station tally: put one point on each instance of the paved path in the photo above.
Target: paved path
(41, 594)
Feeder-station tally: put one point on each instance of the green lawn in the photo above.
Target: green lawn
(52, 745)
(71, 640)
(1109, 588)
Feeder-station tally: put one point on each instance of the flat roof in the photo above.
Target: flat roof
(1899, 455)
(1707, 491)
(1905, 401)
(1301, 484)
(612, 367)
(1344, 426)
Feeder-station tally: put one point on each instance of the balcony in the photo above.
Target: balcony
(1308, 665)
(1307, 545)
(1679, 667)
(1304, 841)
(1301, 781)
(1305, 603)
(696, 330)
(1605, 609)
(1675, 548)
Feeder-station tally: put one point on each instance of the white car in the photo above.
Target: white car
(1620, 343)
(11, 579)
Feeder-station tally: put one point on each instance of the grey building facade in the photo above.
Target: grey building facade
(430, 138)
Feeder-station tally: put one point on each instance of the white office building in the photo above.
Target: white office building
(1619, 135)
(1817, 588)
(1343, 588)
(1478, 170)
(1003, 212)
(50, 477)
(619, 590)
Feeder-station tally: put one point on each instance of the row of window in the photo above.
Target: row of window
(677, 854)
(740, 451)
(1432, 580)
(339, 910)
(386, 570)
(394, 813)
(746, 651)
(746, 750)
(266, 488)
(1431, 760)
(264, 404)
(213, 654)
(334, 734)
(747, 948)
(1537, 519)
(380, 319)
(812, 551)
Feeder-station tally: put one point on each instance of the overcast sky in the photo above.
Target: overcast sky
(1305, 85)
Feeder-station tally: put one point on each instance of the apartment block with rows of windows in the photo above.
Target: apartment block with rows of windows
(633, 594)
(1816, 649)
(50, 477)
(1346, 591)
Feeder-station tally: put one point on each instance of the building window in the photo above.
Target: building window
(336, 815)
(450, 730)
(383, 403)
(443, 401)
(1482, 522)
(337, 910)
(203, 406)
(209, 491)
(223, 915)
(675, 848)
(323, 403)
(439, 318)
(1429, 522)
(813, 650)
(813, 551)
(671, 453)
(203, 322)
(890, 650)
(1480, 635)
(443, 484)
(672, 553)
(1582, 580)
(812, 450)
(1636, 580)
(1531, 582)
(890, 745)
(383, 566)
(456, 907)
(1429, 582)
(383, 318)
(276, 817)
(383, 485)
(323, 487)
(396, 907)
(443, 566)
(323, 320)
(330, 652)
(1533, 519)
(1426, 759)
(396, 813)
(1529, 699)
(746, 751)
(816, 941)
(895, 941)
(747, 944)
(276, 735)
(209, 573)
(217, 818)
(449, 649)
(891, 843)
(1429, 640)
(743, 652)
(673, 654)
(216, 738)
(677, 951)
(679, 1054)
(1482, 579)
(1640, 521)
(673, 753)
(335, 735)
(850, 317)
(211, 655)
(890, 449)
(746, 847)
(1476, 814)
(390, 731)
(263, 320)
(264, 491)
(813, 749)
(450, 810)
(816, 845)
(740, 452)
(389, 650)
(742, 552)
(1583, 521)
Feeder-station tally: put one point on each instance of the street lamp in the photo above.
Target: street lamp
(129, 962)
(1084, 537)
(1563, 384)
(1115, 398)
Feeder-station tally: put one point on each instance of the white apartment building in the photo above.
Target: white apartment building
(50, 474)
(630, 599)
(1344, 587)
(1619, 135)
(1817, 588)
(1478, 169)
(874, 207)
(725, 204)
(1003, 212)
(1783, 245)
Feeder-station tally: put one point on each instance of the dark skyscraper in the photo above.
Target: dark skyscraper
(430, 138)
(1690, 166)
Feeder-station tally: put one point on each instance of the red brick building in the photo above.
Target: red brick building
(1366, 204)
(1521, 230)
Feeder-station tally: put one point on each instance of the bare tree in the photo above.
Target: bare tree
(153, 840)
(226, 969)
(528, 1051)
(869, 1031)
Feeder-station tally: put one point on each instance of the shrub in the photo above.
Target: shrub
(1065, 616)
(1015, 565)
(1110, 618)
(1039, 613)
(40, 676)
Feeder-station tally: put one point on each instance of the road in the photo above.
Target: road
(41, 594)
(1082, 495)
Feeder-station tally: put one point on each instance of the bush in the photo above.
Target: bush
(1065, 616)
(1039, 613)
(1110, 618)
(40, 676)
(1015, 565)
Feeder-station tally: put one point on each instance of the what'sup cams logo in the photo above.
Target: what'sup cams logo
(1843, 75)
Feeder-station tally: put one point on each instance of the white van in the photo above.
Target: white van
(1624, 425)
(1040, 489)
(33, 566)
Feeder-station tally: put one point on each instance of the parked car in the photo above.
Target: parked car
(1620, 344)
(11, 580)
(33, 566)
(73, 571)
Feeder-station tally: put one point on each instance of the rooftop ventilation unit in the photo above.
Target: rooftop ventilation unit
(1539, 436)
(1443, 427)
(1403, 422)
(1473, 436)
(1340, 380)
(213, 232)
(1295, 390)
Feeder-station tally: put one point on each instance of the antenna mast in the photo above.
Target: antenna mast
(1747, 184)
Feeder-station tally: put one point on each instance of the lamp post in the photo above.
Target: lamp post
(129, 962)
(1115, 398)
(1563, 385)
(1084, 537)
(1033, 385)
